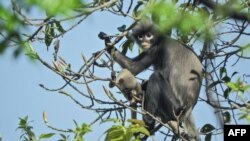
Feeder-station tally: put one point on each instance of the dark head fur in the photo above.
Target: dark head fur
(145, 26)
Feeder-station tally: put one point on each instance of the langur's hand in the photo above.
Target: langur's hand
(103, 36)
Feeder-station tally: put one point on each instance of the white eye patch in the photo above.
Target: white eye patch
(140, 37)
(149, 36)
(145, 37)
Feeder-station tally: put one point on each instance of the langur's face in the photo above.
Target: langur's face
(145, 40)
(144, 34)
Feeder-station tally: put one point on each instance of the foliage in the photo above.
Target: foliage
(9, 31)
(207, 129)
(29, 135)
(56, 6)
(29, 51)
(214, 30)
(237, 86)
(122, 133)
(168, 16)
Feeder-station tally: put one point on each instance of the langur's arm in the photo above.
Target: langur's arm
(135, 66)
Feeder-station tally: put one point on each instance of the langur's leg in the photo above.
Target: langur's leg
(151, 100)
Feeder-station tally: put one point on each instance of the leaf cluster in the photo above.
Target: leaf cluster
(29, 135)
(127, 133)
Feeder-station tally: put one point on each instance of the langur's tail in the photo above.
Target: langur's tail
(190, 128)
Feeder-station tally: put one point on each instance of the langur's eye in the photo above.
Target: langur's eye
(140, 37)
(149, 36)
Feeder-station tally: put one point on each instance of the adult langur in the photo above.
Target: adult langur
(173, 88)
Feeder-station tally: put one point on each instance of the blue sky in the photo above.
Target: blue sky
(20, 94)
(20, 91)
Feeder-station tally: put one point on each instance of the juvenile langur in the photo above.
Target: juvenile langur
(173, 88)
(131, 89)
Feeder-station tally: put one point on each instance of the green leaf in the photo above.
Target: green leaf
(207, 128)
(244, 88)
(115, 133)
(232, 86)
(85, 129)
(204, 11)
(165, 14)
(137, 139)
(26, 129)
(115, 120)
(208, 137)
(187, 5)
(136, 11)
(127, 45)
(234, 73)
(238, 86)
(49, 34)
(29, 51)
(63, 136)
(136, 129)
(136, 121)
(59, 27)
(244, 115)
(9, 21)
(46, 136)
(226, 79)
(121, 28)
(222, 71)
(226, 116)
(23, 121)
(75, 123)
(245, 50)
(226, 92)
(124, 50)
(53, 7)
